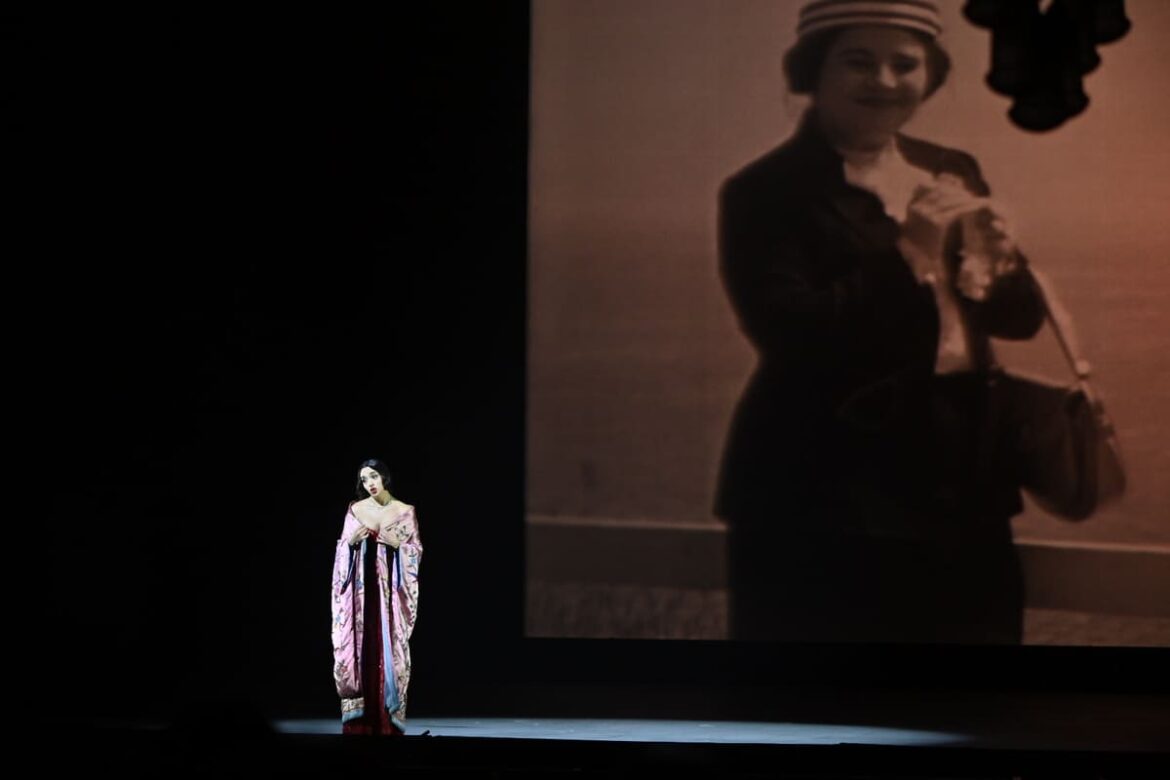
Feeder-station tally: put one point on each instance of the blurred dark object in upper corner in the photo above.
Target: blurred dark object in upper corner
(1040, 56)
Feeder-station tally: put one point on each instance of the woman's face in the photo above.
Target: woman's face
(371, 481)
(872, 82)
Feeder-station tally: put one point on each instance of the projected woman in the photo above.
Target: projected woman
(375, 601)
(868, 269)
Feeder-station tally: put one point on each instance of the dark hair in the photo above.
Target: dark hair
(377, 466)
(805, 60)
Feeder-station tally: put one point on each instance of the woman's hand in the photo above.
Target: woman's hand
(989, 249)
(369, 513)
(360, 533)
(989, 252)
(933, 210)
(990, 231)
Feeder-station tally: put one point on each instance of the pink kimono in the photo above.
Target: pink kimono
(399, 551)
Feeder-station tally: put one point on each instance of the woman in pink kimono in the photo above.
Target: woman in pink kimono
(375, 600)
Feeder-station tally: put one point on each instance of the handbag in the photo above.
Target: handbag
(1058, 441)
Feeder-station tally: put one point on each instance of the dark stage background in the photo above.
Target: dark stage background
(262, 248)
(275, 245)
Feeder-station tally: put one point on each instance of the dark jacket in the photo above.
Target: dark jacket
(837, 427)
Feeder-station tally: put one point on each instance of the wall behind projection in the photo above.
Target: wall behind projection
(639, 110)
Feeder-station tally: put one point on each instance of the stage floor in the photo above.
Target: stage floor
(623, 747)
(237, 741)
(652, 731)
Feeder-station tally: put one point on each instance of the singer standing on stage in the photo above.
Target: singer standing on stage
(375, 603)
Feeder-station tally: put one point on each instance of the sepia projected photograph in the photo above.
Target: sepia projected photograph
(849, 326)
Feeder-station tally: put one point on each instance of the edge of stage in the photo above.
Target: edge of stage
(561, 730)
